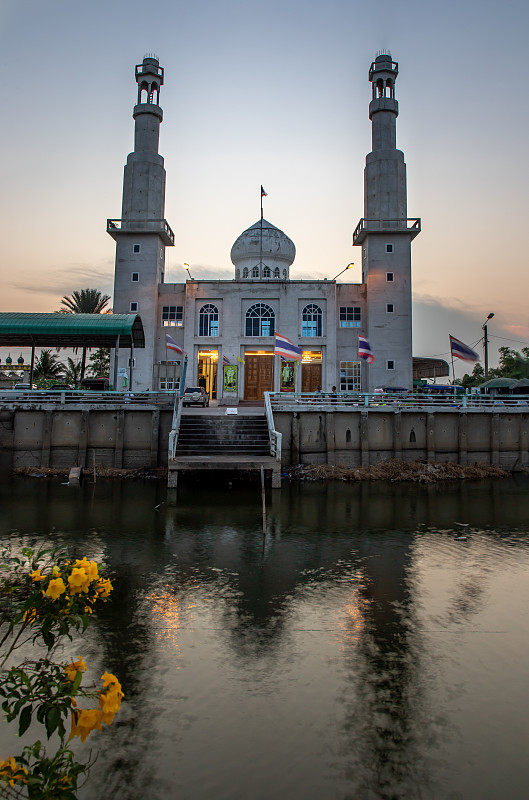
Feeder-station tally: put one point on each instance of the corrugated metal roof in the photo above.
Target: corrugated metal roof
(71, 330)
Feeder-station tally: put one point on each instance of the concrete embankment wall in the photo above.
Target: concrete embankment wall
(130, 437)
(360, 438)
(120, 437)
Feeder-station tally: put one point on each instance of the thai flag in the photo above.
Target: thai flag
(170, 344)
(225, 360)
(284, 347)
(364, 350)
(461, 350)
(263, 193)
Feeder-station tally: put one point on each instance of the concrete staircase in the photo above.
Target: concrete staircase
(204, 435)
(228, 444)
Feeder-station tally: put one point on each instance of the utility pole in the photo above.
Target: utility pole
(486, 345)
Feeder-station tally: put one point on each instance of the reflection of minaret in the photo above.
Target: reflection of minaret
(385, 235)
(142, 233)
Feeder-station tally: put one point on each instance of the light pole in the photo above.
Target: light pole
(187, 269)
(343, 270)
(486, 344)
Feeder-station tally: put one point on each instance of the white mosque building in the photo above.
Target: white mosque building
(226, 327)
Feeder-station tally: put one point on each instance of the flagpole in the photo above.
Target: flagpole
(261, 239)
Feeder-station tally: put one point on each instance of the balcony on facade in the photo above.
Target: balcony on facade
(116, 227)
(410, 226)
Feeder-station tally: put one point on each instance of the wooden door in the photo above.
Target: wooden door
(310, 377)
(258, 376)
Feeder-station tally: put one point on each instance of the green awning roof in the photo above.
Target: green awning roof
(70, 330)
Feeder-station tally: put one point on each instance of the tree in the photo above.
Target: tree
(84, 301)
(99, 363)
(48, 367)
(72, 375)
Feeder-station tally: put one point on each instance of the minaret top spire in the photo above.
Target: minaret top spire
(149, 77)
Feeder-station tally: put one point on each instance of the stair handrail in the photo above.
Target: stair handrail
(175, 426)
(274, 436)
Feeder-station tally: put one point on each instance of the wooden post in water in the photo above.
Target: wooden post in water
(263, 497)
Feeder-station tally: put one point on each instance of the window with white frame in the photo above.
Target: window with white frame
(168, 384)
(389, 308)
(172, 316)
(260, 320)
(208, 320)
(311, 320)
(135, 277)
(350, 316)
(390, 277)
(390, 364)
(389, 248)
(133, 306)
(136, 248)
(350, 376)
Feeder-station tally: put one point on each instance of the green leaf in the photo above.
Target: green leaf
(77, 682)
(24, 720)
(53, 717)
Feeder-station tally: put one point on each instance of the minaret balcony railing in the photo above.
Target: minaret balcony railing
(410, 226)
(117, 227)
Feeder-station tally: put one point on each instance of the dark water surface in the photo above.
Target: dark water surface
(375, 647)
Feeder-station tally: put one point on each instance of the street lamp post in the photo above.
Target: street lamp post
(343, 270)
(188, 270)
(486, 345)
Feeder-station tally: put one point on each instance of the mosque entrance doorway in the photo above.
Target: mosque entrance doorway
(310, 371)
(207, 371)
(258, 375)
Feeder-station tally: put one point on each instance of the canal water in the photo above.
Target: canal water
(373, 645)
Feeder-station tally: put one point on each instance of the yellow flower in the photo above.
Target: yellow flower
(109, 679)
(55, 588)
(104, 587)
(12, 771)
(78, 580)
(85, 721)
(36, 576)
(55, 572)
(90, 567)
(75, 667)
(30, 615)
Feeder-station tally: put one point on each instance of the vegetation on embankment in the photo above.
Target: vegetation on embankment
(395, 470)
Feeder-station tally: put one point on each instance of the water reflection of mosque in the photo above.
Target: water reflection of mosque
(210, 537)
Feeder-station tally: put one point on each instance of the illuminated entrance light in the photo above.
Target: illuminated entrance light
(311, 356)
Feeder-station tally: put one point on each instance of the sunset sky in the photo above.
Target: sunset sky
(276, 94)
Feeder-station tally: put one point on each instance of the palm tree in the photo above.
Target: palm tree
(48, 367)
(72, 375)
(84, 301)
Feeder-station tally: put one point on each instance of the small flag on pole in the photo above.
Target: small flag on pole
(461, 350)
(364, 350)
(263, 193)
(240, 360)
(225, 360)
(284, 347)
(170, 344)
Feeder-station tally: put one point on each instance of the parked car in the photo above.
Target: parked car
(195, 396)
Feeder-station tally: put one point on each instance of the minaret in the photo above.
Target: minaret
(142, 233)
(385, 234)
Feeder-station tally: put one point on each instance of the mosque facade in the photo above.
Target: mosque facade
(226, 328)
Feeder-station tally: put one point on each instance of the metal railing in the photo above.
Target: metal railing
(396, 402)
(65, 397)
(160, 226)
(175, 426)
(275, 437)
(411, 225)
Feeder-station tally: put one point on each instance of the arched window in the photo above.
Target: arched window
(311, 320)
(255, 272)
(267, 272)
(208, 321)
(276, 272)
(260, 320)
(245, 272)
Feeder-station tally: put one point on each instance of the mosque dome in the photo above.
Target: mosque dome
(271, 259)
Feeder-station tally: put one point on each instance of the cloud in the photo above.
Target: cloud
(65, 281)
